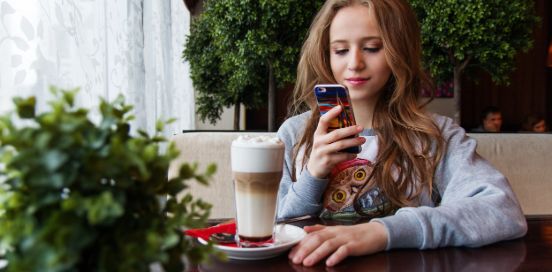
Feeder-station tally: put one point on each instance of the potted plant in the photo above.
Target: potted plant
(240, 52)
(78, 195)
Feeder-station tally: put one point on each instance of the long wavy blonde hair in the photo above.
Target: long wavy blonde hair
(410, 143)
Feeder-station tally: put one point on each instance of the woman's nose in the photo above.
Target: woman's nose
(356, 62)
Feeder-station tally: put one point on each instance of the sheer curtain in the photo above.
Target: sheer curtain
(105, 47)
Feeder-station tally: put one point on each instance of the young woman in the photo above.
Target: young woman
(418, 177)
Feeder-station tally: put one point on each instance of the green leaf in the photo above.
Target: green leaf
(103, 209)
(211, 169)
(25, 107)
(69, 97)
(54, 159)
(159, 125)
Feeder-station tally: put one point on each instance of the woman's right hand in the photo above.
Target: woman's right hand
(326, 146)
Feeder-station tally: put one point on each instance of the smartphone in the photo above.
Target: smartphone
(331, 95)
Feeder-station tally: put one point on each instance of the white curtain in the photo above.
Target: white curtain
(105, 47)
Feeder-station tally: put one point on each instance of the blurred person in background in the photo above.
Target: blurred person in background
(491, 120)
(534, 123)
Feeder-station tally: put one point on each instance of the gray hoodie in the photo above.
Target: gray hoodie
(477, 205)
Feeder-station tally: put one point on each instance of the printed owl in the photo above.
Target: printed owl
(346, 180)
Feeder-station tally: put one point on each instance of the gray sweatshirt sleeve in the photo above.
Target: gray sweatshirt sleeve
(477, 208)
(303, 196)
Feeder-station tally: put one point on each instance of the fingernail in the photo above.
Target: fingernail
(359, 128)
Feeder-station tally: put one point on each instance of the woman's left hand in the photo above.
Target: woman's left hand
(338, 242)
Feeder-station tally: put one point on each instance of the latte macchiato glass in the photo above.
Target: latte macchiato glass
(257, 164)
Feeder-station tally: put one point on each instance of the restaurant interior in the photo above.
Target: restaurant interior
(110, 161)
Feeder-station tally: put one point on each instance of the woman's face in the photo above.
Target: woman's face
(356, 53)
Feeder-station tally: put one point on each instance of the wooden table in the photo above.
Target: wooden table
(530, 253)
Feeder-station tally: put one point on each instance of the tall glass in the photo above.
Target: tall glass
(257, 164)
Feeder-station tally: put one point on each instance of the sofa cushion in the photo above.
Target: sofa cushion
(206, 148)
(522, 158)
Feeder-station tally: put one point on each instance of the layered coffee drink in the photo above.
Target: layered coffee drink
(257, 164)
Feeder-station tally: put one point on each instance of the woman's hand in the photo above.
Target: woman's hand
(338, 242)
(326, 145)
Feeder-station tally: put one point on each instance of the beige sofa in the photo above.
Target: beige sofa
(523, 158)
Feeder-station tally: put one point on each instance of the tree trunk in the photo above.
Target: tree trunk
(458, 70)
(237, 115)
(457, 95)
(271, 100)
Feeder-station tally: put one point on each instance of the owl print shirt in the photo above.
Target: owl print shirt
(350, 178)
(333, 198)
(477, 205)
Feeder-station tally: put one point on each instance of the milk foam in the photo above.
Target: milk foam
(249, 141)
(257, 154)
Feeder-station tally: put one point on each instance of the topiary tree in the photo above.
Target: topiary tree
(241, 51)
(459, 35)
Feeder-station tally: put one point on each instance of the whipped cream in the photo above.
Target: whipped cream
(260, 141)
(257, 154)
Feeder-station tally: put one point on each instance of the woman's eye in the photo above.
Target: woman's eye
(341, 51)
(372, 49)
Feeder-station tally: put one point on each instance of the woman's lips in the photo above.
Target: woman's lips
(355, 81)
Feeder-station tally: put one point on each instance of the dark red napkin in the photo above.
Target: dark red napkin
(205, 233)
